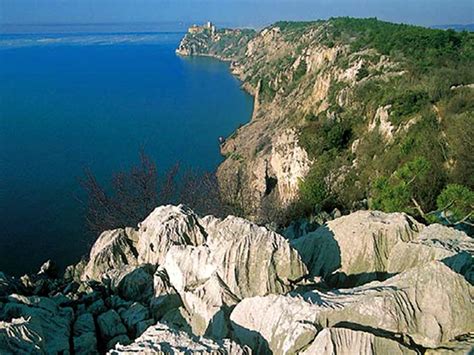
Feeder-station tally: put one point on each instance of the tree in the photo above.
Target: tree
(398, 192)
(456, 205)
(132, 195)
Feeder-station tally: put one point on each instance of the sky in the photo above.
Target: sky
(250, 13)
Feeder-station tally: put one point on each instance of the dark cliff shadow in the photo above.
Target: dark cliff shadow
(402, 339)
(463, 264)
(251, 338)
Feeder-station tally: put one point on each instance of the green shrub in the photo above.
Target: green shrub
(457, 202)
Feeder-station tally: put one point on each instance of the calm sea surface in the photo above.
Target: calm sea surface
(71, 101)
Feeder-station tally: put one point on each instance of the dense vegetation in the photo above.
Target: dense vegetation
(429, 103)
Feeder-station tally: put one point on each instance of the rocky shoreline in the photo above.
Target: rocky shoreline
(366, 283)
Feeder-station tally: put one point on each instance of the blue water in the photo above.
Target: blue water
(67, 102)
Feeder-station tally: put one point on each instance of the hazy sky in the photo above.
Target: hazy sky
(232, 12)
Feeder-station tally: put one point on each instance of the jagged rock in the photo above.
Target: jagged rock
(162, 339)
(112, 250)
(74, 272)
(97, 307)
(334, 341)
(84, 324)
(427, 306)
(355, 249)
(252, 260)
(205, 297)
(165, 299)
(275, 323)
(48, 269)
(431, 304)
(35, 320)
(134, 315)
(110, 325)
(239, 259)
(132, 283)
(19, 337)
(435, 242)
(164, 227)
(85, 344)
(144, 325)
(119, 339)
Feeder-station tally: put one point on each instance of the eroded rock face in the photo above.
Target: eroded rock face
(34, 324)
(435, 242)
(355, 249)
(402, 305)
(164, 227)
(230, 278)
(113, 250)
(336, 341)
(164, 340)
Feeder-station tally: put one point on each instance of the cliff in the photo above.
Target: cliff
(367, 283)
(339, 106)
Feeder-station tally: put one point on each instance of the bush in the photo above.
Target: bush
(457, 203)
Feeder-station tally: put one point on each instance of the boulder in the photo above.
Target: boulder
(84, 324)
(252, 260)
(355, 249)
(164, 227)
(132, 283)
(36, 323)
(18, 336)
(97, 307)
(112, 250)
(134, 315)
(274, 324)
(110, 325)
(162, 339)
(435, 242)
(205, 296)
(85, 344)
(426, 306)
(430, 305)
(335, 341)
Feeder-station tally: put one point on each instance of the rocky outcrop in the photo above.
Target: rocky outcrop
(400, 309)
(234, 282)
(356, 249)
(160, 339)
(113, 250)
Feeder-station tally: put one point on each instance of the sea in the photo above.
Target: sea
(75, 101)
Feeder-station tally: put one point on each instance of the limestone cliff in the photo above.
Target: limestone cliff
(326, 77)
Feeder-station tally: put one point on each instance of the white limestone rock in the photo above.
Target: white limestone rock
(435, 242)
(355, 249)
(161, 339)
(252, 260)
(430, 304)
(206, 298)
(274, 324)
(112, 250)
(340, 341)
(164, 227)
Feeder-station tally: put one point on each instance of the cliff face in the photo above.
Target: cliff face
(332, 102)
